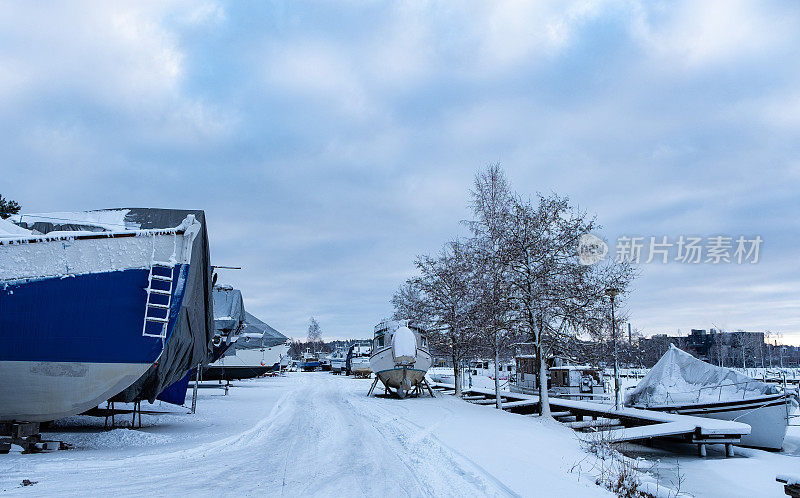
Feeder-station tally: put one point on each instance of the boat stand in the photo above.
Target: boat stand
(372, 387)
(26, 435)
(111, 412)
(424, 384)
(419, 389)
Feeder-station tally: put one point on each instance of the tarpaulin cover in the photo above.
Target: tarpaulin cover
(404, 345)
(229, 311)
(680, 378)
(190, 342)
(257, 334)
(176, 393)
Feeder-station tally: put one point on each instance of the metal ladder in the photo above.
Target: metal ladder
(152, 307)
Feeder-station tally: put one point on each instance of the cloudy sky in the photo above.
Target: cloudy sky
(330, 144)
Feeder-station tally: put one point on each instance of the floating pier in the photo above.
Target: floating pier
(625, 424)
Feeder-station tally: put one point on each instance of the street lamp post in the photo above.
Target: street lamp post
(612, 292)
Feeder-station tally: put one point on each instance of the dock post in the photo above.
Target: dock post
(701, 450)
(728, 450)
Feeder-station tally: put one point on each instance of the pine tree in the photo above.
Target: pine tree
(8, 207)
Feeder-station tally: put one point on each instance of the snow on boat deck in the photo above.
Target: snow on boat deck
(311, 434)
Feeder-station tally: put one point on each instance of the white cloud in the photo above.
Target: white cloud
(702, 34)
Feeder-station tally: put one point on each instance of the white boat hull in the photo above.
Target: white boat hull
(766, 416)
(360, 365)
(392, 375)
(266, 357)
(35, 391)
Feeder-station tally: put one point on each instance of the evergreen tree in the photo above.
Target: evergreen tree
(8, 207)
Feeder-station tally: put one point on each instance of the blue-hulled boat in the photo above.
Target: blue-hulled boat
(85, 313)
(309, 361)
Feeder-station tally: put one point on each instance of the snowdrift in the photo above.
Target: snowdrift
(680, 378)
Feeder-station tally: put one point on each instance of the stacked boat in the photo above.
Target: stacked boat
(99, 304)
(681, 383)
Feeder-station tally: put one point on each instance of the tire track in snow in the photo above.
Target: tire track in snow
(410, 435)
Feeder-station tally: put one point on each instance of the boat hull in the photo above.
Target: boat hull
(766, 416)
(246, 363)
(360, 365)
(33, 391)
(392, 375)
(71, 341)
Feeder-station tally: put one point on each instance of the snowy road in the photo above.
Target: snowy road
(313, 434)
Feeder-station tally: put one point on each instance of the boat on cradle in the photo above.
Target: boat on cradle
(259, 349)
(338, 361)
(401, 357)
(357, 361)
(309, 361)
(681, 383)
(84, 313)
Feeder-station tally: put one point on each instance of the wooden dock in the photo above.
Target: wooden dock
(626, 424)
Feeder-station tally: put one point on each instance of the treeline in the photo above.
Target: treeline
(516, 279)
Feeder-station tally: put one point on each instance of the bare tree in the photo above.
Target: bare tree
(555, 296)
(491, 204)
(314, 332)
(442, 298)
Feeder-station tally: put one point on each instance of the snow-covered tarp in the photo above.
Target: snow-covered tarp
(680, 378)
(190, 341)
(100, 220)
(257, 334)
(229, 310)
(404, 345)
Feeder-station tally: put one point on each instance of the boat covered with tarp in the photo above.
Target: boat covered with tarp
(681, 383)
(258, 350)
(98, 304)
(229, 319)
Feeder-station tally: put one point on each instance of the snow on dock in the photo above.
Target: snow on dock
(639, 424)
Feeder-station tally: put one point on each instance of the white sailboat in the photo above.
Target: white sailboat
(400, 355)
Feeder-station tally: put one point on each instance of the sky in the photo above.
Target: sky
(330, 144)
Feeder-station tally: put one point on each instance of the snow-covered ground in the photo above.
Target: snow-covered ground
(318, 434)
(310, 434)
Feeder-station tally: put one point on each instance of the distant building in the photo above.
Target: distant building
(735, 349)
